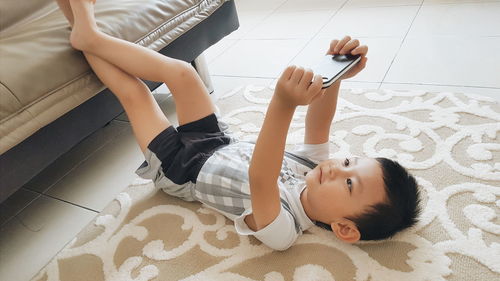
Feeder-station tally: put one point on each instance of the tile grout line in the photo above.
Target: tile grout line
(441, 85)
(68, 202)
(22, 209)
(247, 32)
(374, 82)
(239, 76)
(77, 165)
(265, 18)
(39, 195)
(228, 47)
(319, 30)
(402, 42)
(74, 167)
(55, 254)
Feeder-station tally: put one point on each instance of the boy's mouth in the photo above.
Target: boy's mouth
(320, 175)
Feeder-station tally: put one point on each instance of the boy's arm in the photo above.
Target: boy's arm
(320, 113)
(294, 88)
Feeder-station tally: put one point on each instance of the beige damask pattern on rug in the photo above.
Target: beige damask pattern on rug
(450, 142)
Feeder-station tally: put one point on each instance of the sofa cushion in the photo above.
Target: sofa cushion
(42, 77)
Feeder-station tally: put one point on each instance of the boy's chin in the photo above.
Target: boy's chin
(311, 178)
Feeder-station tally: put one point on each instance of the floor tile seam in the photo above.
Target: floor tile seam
(263, 19)
(236, 76)
(402, 41)
(62, 177)
(38, 195)
(57, 253)
(80, 163)
(367, 81)
(270, 39)
(442, 85)
(309, 11)
(363, 85)
(441, 36)
(70, 203)
(75, 166)
(408, 37)
(461, 3)
(306, 11)
(224, 51)
(411, 37)
(122, 121)
(381, 6)
(318, 31)
(366, 37)
(274, 78)
(281, 38)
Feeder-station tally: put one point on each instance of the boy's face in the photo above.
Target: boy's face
(340, 188)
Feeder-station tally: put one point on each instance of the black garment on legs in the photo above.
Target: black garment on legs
(183, 152)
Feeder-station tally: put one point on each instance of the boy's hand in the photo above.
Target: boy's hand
(296, 86)
(349, 46)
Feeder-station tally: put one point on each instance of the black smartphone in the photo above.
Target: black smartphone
(332, 67)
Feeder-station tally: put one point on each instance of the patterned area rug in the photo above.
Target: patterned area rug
(450, 142)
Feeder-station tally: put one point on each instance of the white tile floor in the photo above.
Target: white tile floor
(435, 45)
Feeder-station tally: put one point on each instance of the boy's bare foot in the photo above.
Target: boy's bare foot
(84, 27)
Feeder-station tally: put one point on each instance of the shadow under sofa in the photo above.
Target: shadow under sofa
(25, 159)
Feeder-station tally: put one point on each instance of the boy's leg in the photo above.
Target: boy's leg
(191, 97)
(142, 110)
(145, 116)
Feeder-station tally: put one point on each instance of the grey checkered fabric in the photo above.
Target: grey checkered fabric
(223, 180)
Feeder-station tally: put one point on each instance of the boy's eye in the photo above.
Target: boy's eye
(349, 184)
(346, 162)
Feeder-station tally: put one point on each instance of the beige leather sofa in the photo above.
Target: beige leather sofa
(49, 97)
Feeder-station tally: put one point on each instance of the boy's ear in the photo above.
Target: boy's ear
(346, 231)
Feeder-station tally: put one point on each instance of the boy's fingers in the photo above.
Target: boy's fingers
(306, 79)
(359, 66)
(360, 50)
(316, 85)
(362, 63)
(288, 72)
(349, 46)
(333, 43)
(341, 44)
(297, 74)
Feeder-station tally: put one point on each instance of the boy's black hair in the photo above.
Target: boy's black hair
(400, 211)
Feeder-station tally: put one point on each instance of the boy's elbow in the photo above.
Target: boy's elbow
(254, 175)
(259, 179)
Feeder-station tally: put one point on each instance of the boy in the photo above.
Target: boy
(267, 192)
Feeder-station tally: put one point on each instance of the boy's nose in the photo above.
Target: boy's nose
(334, 170)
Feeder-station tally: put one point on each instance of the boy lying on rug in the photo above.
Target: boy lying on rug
(267, 192)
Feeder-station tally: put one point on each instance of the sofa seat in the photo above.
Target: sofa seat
(42, 77)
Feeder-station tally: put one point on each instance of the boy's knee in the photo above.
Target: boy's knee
(185, 72)
(133, 91)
